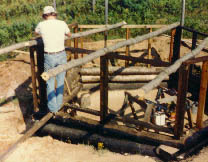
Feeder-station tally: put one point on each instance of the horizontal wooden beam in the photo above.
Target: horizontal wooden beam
(125, 26)
(115, 86)
(126, 120)
(194, 31)
(75, 35)
(154, 62)
(119, 78)
(73, 25)
(196, 60)
(78, 62)
(81, 109)
(112, 70)
(144, 124)
(79, 50)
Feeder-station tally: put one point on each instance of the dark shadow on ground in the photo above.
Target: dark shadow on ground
(23, 93)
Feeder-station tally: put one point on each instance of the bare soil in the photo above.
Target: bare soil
(16, 101)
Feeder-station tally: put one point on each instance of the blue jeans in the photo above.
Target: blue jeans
(55, 96)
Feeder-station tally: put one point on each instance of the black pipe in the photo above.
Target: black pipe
(81, 136)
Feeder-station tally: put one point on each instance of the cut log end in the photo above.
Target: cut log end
(45, 76)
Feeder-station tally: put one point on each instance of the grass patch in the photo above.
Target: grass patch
(7, 56)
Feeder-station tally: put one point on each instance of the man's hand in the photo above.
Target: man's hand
(68, 35)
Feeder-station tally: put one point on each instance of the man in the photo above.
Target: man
(53, 32)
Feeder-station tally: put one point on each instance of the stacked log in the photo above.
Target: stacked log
(120, 77)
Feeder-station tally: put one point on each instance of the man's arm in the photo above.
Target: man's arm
(68, 34)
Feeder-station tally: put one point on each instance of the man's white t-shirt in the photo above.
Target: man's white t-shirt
(53, 34)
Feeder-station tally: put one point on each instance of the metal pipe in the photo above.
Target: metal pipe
(106, 22)
(106, 12)
(183, 12)
(93, 5)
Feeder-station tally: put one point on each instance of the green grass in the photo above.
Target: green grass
(7, 56)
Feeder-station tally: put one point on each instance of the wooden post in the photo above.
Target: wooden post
(42, 83)
(149, 48)
(202, 95)
(177, 44)
(68, 44)
(34, 86)
(105, 38)
(76, 42)
(181, 100)
(194, 40)
(81, 39)
(173, 32)
(176, 55)
(103, 88)
(127, 47)
(190, 118)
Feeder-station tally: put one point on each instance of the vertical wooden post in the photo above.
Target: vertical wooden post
(181, 100)
(127, 47)
(42, 83)
(177, 44)
(190, 118)
(76, 42)
(105, 38)
(34, 86)
(202, 95)
(103, 88)
(149, 48)
(176, 55)
(194, 40)
(81, 39)
(173, 32)
(68, 44)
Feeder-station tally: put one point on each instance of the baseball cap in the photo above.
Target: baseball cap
(48, 9)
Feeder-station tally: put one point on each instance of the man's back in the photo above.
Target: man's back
(53, 33)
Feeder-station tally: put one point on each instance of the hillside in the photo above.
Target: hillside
(19, 17)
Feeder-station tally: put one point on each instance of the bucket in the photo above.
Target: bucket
(159, 118)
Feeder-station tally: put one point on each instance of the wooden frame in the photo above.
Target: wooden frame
(176, 60)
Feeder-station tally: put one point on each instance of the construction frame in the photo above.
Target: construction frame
(177, 67)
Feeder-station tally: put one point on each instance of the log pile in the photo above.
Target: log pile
(120, 77)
